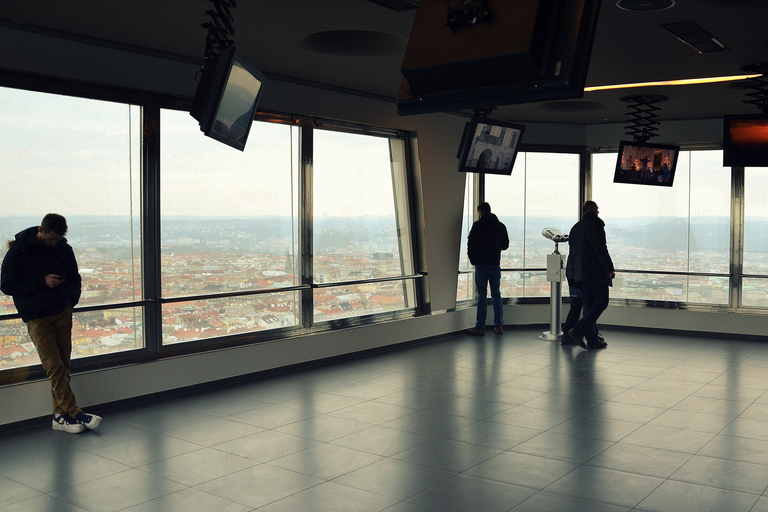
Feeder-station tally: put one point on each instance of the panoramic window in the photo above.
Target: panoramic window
(229, 227)
(669, 243)
(754, 285)
(542, 192)
(79, 158)
(361, 233)
(465, 288)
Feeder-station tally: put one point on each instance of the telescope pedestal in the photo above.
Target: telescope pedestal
(555, 275)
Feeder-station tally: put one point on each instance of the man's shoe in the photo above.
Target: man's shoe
(67, 424)
(599, 344)
(578, 338)
(476, 332)
(89, 421)
(600, 337)
(498, 330)
(567, 340)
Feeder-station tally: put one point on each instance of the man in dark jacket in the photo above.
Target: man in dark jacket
(40, 272)
(487, 238)
(592, 272)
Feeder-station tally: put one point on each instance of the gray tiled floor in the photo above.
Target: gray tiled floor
(655, 423)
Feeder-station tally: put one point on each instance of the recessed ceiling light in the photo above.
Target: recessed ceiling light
(644, 5)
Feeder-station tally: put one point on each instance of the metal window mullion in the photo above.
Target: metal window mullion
(150, 227)
(737, 236)
(306, 138)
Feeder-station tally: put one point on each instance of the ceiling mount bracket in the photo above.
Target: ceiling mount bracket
(483, 113)
(219, 28)
(758, 86)
(643, 119)
(469, 13)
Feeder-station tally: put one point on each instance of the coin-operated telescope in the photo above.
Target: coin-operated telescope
(556, 276)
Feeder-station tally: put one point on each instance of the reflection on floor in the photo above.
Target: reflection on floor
(653, 423)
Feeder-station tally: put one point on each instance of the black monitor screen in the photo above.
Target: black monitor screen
(227, 98)
(644, 163)
(489, 146)
(745, 140)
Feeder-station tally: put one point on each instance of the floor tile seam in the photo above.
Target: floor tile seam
(52, 494)
(257, 509)
(713, 486)
(400, 499)
(547, 488)
(259, 462)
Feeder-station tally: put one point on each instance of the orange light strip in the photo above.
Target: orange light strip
(687, 81)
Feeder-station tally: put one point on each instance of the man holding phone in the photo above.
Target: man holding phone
(40, 272)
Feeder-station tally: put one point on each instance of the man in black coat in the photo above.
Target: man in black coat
(40, 272)
(593, 273)
(487, 238)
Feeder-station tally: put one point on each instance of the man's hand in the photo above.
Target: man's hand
(52, 280)
(612, 275)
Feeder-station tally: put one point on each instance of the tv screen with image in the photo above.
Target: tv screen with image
(227, 97)
(745, 140)
(489, 146)
(644, 163)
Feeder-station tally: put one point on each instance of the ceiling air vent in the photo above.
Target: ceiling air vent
(397, 5)
(692, 34)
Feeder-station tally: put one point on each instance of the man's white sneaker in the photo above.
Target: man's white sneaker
(67, 424)
(89, 421)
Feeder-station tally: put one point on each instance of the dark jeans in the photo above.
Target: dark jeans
(595, 302)
(485, 275)
(573, 313)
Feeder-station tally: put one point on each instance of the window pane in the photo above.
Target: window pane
(229, 219)
(79, 158)
(543, 191)
(93, 333)
(684, 228)
(755, 290)
(466, 285)
(213, 318)
(360, 224)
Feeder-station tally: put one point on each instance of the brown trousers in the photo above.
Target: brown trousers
(52, 337)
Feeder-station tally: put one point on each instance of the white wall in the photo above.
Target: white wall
(442, 186)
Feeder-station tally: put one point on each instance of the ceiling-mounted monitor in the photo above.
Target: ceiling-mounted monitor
(644, 163)
(745, 140)
(227, 97)
(489, 146)
(523, 51)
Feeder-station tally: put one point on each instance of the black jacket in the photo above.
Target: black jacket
(23, 272)
(589, 252)
(487, 238)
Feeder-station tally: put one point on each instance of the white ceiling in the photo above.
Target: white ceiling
(281, 38)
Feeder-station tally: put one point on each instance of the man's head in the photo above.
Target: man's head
(589, 207)
(484, 208)
(52, 229)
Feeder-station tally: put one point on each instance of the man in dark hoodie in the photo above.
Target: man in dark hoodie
(593, 273)
(487, 238)
(40, 272)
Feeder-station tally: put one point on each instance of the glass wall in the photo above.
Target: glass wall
(754, 285)
(542, 192)
(360, 229)
(465, 289)
(79, 158)
(668, 243)
(225, 251)
(229, 224)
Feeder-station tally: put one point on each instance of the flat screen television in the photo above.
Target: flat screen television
(489, 146)
(227, 97)
(745, 140)
(645, 163)
(528, 51)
